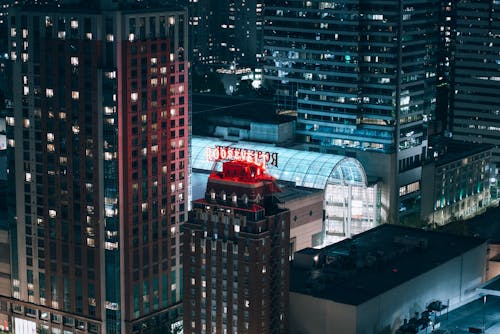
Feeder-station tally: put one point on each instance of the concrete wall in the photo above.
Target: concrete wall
(493, 262)
(310, 315)
(453, 282)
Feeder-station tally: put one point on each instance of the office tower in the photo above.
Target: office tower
(200, 37)
(235, 255)
(99, 139)
(360, 76)
(476, 74)
(226, 33)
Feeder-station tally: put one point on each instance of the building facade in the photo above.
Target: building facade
(360, 76)
(99, 163)
(226, 33)
(456, 182)
(476, 74)
(236, 253)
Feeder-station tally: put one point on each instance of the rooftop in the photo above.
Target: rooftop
(486, 226)
(356, 270)
(451, 150)
(251, 109)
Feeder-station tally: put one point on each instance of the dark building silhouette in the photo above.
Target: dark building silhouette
(98, 159)
(235, 254)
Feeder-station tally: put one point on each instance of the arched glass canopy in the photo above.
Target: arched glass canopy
(306, 169)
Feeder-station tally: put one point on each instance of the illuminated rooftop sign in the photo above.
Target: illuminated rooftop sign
(262, 158)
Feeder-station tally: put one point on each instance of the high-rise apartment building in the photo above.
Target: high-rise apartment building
(236, 253)
(360, 76)
(99, 163)
(476, 74)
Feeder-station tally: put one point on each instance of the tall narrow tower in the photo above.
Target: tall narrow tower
(236, 248)
(98, 141)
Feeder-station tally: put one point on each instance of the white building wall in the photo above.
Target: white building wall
(310, 315)
(452, 282)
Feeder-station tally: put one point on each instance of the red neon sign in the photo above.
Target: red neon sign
(262, 158)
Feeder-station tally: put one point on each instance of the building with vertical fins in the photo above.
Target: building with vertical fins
(98, 144)
(235, 255)
(360, 77)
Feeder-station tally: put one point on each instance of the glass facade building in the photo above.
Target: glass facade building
(351, 204)
(359, 75)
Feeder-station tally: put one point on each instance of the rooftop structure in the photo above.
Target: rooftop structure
(381, 277)
(374, 262)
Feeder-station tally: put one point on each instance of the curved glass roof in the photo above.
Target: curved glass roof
(306, 169)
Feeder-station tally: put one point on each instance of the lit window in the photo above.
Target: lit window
(110, 74)
(49, 92)
(134, 97)
(76, 129)
(24, 57)
(88, 35)
(131, 37)
(110, 37)
(26, 90)
(25, 33)
(108, 110)
(12, 32)
(50, 137)
(27, 177)
(52, 213)
(74, 24)
(75, 95)
(61, 34)
(171, 20)
(26, 123)
(74, 61)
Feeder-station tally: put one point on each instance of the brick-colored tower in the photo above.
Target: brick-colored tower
(235, 254)
(99, 162)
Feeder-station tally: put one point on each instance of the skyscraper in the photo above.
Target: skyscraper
(236, 249)
(98, 140)
(360, 76)
(225, 33)
(476, 74)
